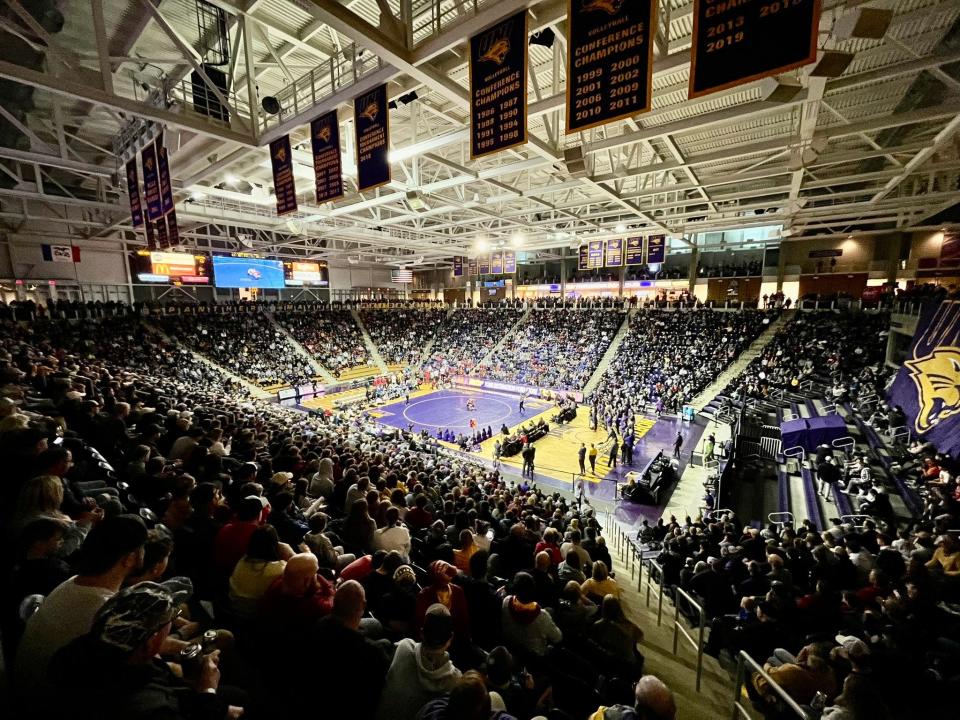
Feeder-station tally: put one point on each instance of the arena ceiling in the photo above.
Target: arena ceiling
(872, 149)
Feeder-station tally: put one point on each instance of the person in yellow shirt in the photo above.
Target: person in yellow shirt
(593, 458)
(600, 584)
(946, 557)
(462, 555)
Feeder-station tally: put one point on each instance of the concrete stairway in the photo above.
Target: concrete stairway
(610, 354)
(255, 390)
(503, 339)
(318, 368)
(738, 365)
(371, 346)
(428, 348)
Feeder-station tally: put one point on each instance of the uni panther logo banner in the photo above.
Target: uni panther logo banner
(610, 7)
(928, 384)
(495, 45)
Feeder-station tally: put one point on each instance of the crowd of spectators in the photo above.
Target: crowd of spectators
(401, 335)
(725, 269)
(556, 349)
(246, 343)
(817, 345)
(329, 335)
(467, 335)
(667, 357)
(188, 552)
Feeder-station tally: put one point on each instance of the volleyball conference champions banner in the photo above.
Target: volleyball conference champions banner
(498, 86)
(371, 122)
(609, 60)
(284, 187)
(927, 386)
(327, 164)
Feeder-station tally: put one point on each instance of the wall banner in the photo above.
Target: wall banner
(609, 60)
(281, 159)
(457, 266)
(173, 228)
(133, 192)
(595, 254)
(484, 264)
(926, 385)
(371, 120)
(738, 42)
(635, 251)
(509, 262)
(656, 249)
(496, 263)
(582, 257)
(614, 252)
(472, 267)
(327, 163)
(163, 173)
(498, 86)
(151, 183)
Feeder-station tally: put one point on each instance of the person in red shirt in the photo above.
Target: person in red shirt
(231, 541)
(441, 590)
(550, 545)
(418, 517)
(300, 596)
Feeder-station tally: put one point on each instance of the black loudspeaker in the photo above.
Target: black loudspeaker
(204, 100)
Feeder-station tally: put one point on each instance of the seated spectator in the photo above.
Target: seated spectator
(420, 671)
(468, 700)
(617, 635)
(393, 536)
(116, 663)
(255, 571)
(801, 677)
(600, 584)
(653, 701)
(527, 628)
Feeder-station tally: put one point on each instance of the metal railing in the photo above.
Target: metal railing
(781, 519)
(739, 710)
(678, 629)
(900, 434)
(790, 415)
(655, 568)
(796, 451)
(855, 519)
(845, 443)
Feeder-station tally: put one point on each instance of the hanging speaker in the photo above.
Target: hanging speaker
(270, 105)
(574, 160)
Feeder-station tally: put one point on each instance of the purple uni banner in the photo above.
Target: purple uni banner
(635, 251)
(163, 168)
(614, 252)
(133, 191)
(457, 266)
(509, 262)
(927, 386)
(151, 183)
(281, 159)
(656, 249)
(327, 166)
(173, 228)
(371, 120)
(582, 258)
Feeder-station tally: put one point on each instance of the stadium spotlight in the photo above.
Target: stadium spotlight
(621, 228)
(517, 239)
(483, 245)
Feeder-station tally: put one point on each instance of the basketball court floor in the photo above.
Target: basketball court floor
(556, 462)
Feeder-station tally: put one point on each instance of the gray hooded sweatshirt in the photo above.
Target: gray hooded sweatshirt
(415, 677)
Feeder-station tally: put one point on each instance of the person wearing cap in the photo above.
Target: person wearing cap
(420, 671)
(116, 665)
(112, 551)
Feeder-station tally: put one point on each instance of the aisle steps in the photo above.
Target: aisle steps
(368, 341)
(318, 368)
(610, 354)
(503, 338)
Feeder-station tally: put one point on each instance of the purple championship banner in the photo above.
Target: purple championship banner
(614, 252)
(151, 183)
(595, 254)
(472, 267)
(173, 228)
(635, 251)
(509, 262)
(926, 386)
(281, 160)
(133, 191)
(582, 257)
(484, 265)
(371, 120)
(327, 163)
(151, 235)
(498, 86)
(457, 266)
(656, 249)
(163, 241)
(496, 263)
(163, 173)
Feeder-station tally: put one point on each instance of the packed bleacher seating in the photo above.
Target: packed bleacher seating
(244, 341)
(402, 334)
(467, 335)
(151, 511)
(329, 335)
(668, 357)
(554, 349)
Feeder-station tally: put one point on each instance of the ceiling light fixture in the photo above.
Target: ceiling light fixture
(620, 228)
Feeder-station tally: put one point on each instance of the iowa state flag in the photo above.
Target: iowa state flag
(927, 386)
(60, 253)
